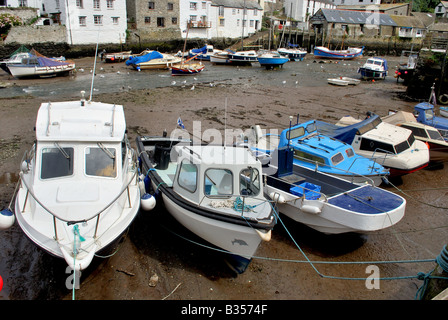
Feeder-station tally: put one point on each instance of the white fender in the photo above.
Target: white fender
(264, 235)
(277, 197)
(310, 209)
(79, 264)
(7, 219)
(147, 202)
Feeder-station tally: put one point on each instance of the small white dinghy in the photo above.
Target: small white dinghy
(338, 82)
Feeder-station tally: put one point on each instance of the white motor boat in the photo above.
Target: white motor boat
(327, 203)
(216, 192)
(79, 188)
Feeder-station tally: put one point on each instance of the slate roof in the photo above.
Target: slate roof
(408, 21)
(357, 17)
(249, 4)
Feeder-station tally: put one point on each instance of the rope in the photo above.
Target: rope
(442, 259)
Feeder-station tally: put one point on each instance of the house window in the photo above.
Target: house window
(98, 20)
(96, 4)
(82, 21)
(221, 11)
(57, 4)
(23, 3)
(115, 20)
(204, 5)
(221, 22)
(170, 6)
(193, 6)
(237, 22)
(147, 20)
(174, 20)
(251, 23)
(233, 11)
(161, 22)
(79, 4)
(255, 12)
(151, 5)
(193, 18)
(110, 4)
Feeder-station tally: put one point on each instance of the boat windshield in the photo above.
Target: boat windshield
(100, 161)
(349, 152)
(56, 162)
(218, 183)
(249, 182)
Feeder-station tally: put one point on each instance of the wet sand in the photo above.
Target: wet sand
(158, 260)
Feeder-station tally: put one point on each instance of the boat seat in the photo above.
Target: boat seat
(225, 185)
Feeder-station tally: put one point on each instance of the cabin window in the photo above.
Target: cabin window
(218, 183)
(303, 156)
(249, 182)
(311, 127)
(56, 162)
(101, 162)
(188, 176)
(295, 133)
(434, 134)
(337, 158)
(376, 146)
(402, 146)
(349, 152)
(419, 132)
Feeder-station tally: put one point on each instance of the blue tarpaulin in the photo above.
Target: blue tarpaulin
(200, 50)
(347, 134)
(144, 58)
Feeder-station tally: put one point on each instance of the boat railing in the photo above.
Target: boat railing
(386, 153)
(352, 174)
(29, 192)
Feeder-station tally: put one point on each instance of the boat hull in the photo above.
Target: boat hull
(362, 210)
(272, 62)
(321, 52)
(22, 71)
(184, 71)
(56, 237)
(367, 73)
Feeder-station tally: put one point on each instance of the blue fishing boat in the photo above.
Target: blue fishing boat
(271, 59)
(424, 112)
(319, 152)
(349, 53)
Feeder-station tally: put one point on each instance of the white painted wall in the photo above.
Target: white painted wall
(230, 24)
(110, 30)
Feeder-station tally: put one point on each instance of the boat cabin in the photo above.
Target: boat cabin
(77, 150)
(377, 64)
(424, 112)
(213, 172)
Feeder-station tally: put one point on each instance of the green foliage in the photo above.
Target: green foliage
(424, 5)
(7, 21)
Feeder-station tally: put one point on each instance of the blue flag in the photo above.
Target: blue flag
(180, 123)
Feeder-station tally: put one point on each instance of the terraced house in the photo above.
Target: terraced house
(203, 19)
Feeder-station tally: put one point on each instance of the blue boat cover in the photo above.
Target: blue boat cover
(200, 50)
(367, 200)
(47, 62)
(144, 58)
(348, 133)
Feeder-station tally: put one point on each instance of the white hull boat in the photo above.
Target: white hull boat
(326, 203)
(213, 191)
(78, 184)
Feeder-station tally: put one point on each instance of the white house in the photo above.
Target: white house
(441, 10)
(302, 10)
(208, 19)
(90, 21)
(21, 3)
